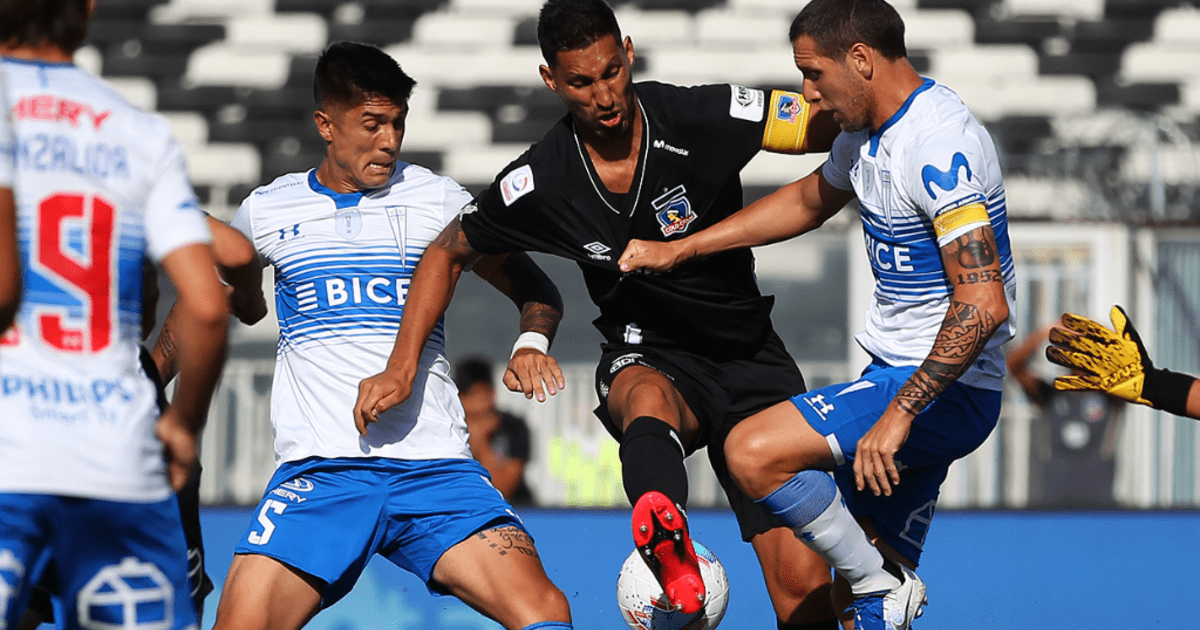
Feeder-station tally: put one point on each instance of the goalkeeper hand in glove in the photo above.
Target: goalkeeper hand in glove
(1114, 361)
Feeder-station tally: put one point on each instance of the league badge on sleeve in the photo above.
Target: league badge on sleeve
(516, 184)
(673, 211)
(746, 103)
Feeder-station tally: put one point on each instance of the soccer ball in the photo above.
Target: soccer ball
(644, 606)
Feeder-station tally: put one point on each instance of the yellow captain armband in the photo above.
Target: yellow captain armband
(787, 123)
(951, 220)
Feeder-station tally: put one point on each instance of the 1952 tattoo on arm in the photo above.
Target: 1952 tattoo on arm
(977, 309)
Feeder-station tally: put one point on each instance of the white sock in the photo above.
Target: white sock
(843, 544)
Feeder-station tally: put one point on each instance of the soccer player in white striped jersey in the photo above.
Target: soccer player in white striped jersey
(344, 239)
(84, 489)
(931, 199)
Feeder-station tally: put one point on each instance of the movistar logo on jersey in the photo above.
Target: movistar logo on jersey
(673, 211)
(353, 290)
(662, 144)
(946, 180)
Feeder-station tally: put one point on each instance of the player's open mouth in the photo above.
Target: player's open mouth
(610, 120)
(377, 167)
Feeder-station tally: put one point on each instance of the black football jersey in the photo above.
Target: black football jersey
(695, 142)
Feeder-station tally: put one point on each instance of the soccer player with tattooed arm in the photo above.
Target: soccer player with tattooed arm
(930, 196)
(686, 355)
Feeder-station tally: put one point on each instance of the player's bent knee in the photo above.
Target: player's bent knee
(750, 456)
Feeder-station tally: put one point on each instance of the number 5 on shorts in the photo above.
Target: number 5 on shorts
(270, 505)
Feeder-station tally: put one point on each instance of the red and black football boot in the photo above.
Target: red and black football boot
(661, 534)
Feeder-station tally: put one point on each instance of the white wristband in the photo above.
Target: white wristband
(535, 340)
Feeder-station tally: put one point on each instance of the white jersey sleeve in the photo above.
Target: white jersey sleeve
(173, 216)
(453, 199)
(836, 169)
(946, 177)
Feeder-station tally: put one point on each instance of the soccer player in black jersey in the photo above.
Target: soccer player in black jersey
(687, 354)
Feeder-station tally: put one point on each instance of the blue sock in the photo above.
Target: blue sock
(802, 499)
(549, 625)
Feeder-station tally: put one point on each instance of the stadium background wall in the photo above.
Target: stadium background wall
(985, 570)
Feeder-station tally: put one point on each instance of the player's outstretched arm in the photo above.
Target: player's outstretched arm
(1116, 362)
(241, 269)
(798, 207)
(977, 309)
(531, 370)
(429, 294)
(201, 324)
(10, 263)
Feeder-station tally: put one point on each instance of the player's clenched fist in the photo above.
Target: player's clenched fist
(532, 372)
(649, 256)
(179, 447)
(377, 394)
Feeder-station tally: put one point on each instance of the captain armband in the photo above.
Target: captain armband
(787, 123)
(951, 220)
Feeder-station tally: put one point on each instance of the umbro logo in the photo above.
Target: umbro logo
(598, 251)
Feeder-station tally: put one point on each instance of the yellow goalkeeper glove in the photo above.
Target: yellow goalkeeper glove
(1113, 361)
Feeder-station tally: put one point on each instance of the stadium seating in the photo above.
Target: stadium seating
(234, 75)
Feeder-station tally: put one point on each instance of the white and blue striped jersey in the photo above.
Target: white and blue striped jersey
(926, 163)
(99, 185)
(7, 149)
(343, 263)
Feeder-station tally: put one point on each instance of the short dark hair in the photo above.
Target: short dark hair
(471, 370)
(62, 23)
(348, 72)
(574, 25)
(836, 25)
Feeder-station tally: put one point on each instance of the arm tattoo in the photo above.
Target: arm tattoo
(532, 291)
(509, 538)
(166, 352)
(454, 241)
(974, 252)
(964, 334)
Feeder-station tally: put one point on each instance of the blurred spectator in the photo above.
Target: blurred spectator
(499, 440)
(1073, 440)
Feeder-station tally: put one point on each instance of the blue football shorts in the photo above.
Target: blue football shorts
(112, 560)
(952, 426)
(327, 517)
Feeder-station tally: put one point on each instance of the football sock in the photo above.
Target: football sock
(812, 506)
(549, 625)
(828, 624)
(652, 459)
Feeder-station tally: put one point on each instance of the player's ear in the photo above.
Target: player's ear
(628, 46)
(548, 78)
(861, 59)
(324, 125)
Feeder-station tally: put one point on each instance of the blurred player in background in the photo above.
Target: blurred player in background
(499, 439)
(1116, 362)
(687, 354)
(10, 264)
(1074, 445)
(84, 488)
(344, 238)
(928, 184)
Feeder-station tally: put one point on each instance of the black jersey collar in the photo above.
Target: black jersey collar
(639, 174)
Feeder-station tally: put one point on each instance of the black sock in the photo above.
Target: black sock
(652, 459)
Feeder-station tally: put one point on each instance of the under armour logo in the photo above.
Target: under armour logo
(818, 404)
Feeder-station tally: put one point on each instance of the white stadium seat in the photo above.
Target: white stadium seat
(189, 128)
(744, 67)
(479, 165)
(504, 8)
(456, 31)
(223, 164)
(777, 169)
(656, 29)
(294, 33)
(177, 11)
(991, 98)
(221, 64)
(1078, 9)
(1000, 60)
(721, 28)
(503, 66)
(438, 132)
(938, 29)
(139, 91)
(1178, 27)
(1154, 62)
